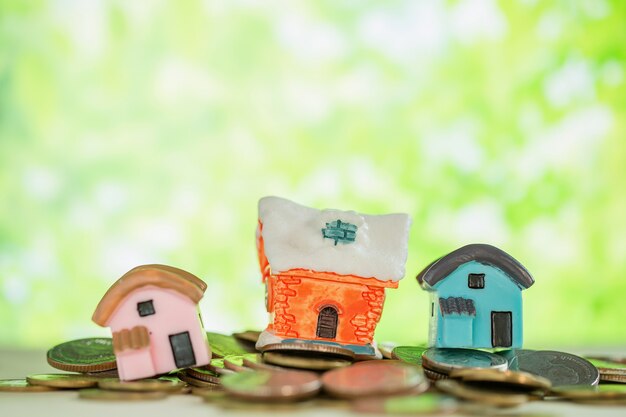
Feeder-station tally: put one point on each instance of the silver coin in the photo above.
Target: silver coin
(444, 360)
(559, 367)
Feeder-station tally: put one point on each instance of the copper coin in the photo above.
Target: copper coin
(310, 347)
(308, 362)
(21, 385)
(203, 374)
(272, 386)
(510, 379)
(497, 398)
(444, 360)
(217, 366)
(428, 403)
(381, 361)
(374, 378)
(235, 362)
(84, 355)
(68, 381)
(106, 395)
(151, 384)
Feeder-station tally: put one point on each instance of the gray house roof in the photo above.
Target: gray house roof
(457, 305)
(441, 268)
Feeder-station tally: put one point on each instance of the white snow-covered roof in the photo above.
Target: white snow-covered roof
(293, 239)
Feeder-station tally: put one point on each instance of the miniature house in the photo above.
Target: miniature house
(153, 313)
(326, 272)
(476, 298)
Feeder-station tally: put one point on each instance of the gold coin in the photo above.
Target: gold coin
(195, 381)
(512, 379)
(67, 381)
(151, 384)
(429, 403)
(497, 398)
(599, 393)
(606, 402)
(227, 402)
(21, 385)
(304, 362)
(202, 374)
(107, 395)
(320, 349)
(434, 375)
(207, 391)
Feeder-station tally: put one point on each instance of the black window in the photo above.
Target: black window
(476, 281)
(145, 308)
(432, 309)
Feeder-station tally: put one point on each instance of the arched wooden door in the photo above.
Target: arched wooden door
(327, 322)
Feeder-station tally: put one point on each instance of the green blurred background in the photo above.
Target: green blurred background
(139, 132)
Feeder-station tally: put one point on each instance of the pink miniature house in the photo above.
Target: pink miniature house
(153, 313)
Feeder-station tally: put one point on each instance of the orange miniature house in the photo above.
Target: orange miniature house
(326, 272)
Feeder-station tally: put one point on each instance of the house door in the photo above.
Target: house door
(501, 329)
(327, 323)
(182, 350)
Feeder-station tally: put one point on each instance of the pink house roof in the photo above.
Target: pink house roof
(161, 276)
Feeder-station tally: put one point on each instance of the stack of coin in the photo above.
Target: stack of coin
(610, 371)
(239, 377)
(92, 355)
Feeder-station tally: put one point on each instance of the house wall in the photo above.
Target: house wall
(500, 294)
(296, 301)
(174, 313)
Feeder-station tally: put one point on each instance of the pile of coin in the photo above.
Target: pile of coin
(409, 379)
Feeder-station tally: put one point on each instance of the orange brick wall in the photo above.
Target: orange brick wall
(296, 300)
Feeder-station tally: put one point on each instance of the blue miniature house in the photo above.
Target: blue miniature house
(476, 298)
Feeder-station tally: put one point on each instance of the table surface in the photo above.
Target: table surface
(19, 363)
